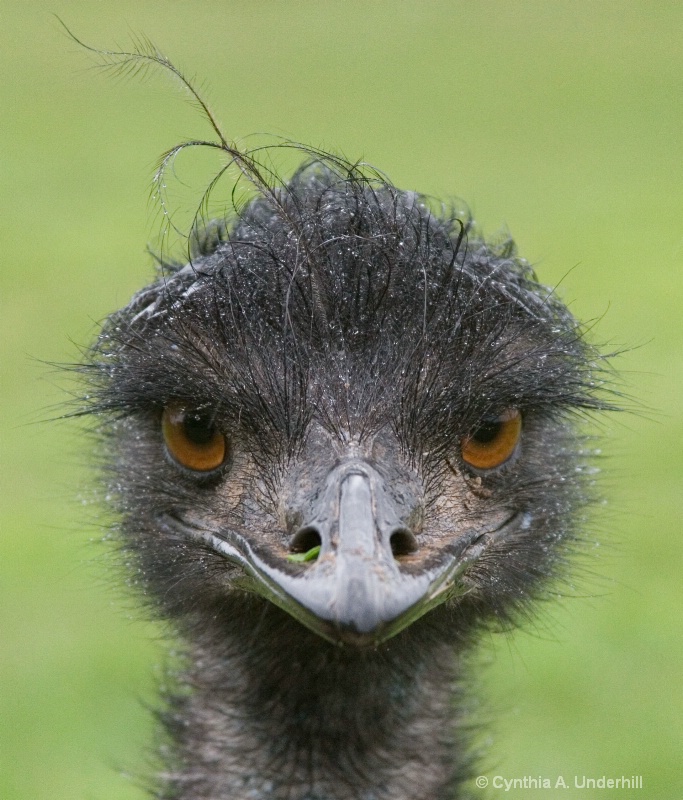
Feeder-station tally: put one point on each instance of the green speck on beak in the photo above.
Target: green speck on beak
(309, 555)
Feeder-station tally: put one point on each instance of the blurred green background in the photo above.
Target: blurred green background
(560, 121)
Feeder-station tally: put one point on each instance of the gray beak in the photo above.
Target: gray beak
(356, 584)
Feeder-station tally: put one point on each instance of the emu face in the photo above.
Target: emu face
(350, 406)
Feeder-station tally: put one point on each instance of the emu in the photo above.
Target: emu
(341, 441)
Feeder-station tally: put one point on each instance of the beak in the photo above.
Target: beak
(356, 591)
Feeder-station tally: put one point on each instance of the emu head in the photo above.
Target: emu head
(349, 405)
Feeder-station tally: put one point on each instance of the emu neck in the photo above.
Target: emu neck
(275, 712)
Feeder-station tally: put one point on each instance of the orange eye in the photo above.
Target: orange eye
(192, 439)
(493, 442)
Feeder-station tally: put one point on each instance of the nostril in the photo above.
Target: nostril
(402, 542)
(305, 539)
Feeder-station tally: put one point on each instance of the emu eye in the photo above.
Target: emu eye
(494, 441)
(192, 439)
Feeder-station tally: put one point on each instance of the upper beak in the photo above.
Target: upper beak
(356, 591)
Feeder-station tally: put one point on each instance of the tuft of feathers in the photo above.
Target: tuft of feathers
(346, 276)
